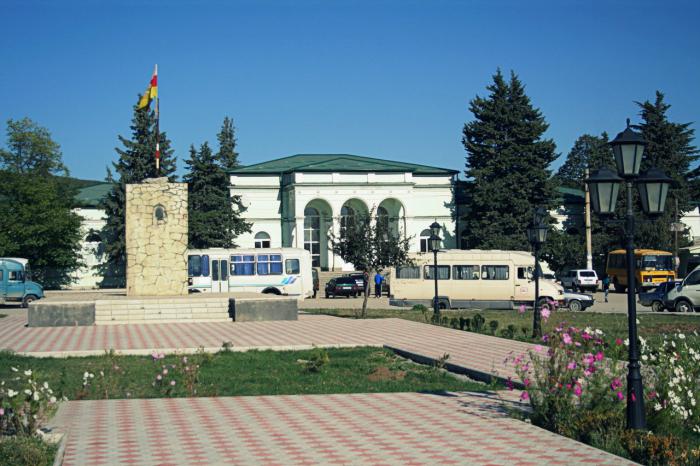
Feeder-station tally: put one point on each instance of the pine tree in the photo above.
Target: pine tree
(227, 155)
(507, 166)
(136, 163)
(212, 219)
(592, 152)
(670, 148)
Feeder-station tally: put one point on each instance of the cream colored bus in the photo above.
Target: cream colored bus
(472, 279)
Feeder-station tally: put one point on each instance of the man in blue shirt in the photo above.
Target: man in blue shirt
(378, 279)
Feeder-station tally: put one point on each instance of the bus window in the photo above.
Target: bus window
(205, 265)
(269, 264)
(494, 272)
(443, 272)
(15, 275)
(291, 266)
(215, 270)
(243, 265)
(410, 273)
(465, 272)
(194, 266)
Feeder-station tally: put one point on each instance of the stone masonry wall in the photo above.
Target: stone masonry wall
(156, 238)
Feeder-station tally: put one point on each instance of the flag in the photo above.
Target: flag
(151, 91)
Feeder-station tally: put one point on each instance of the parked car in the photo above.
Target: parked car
(577, 301)
(359, 279)
(656, 297)
(15, 283)
(342, 286)
(685, 297)
(580, 279)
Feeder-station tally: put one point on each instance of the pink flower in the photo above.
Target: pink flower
(524, 396)
(599, 356)
(545, 312)
(526, 382)
(2, 411)
(567, 339)
(618, 341)
(521, 309)
(586, 336)
(568, 386)
(571, 366)
(652, 395)
(538, 348)
(620, 396)
(616, 384)
(588, 359)
(578, 390)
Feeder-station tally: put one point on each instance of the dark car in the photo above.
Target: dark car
(342, 286)
(359, 279)
(657, 296)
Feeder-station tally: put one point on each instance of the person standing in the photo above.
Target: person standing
(606, 287)
(378, 279)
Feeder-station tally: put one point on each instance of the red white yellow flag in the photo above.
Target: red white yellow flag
(151, 91)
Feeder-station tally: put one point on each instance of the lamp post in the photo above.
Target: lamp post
(628, 148)
(434, 244)
(537, 235)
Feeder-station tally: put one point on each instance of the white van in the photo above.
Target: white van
(580, 280)
(281, 271)
(472, 279)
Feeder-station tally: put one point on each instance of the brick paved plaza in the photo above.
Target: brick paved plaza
(392, 428)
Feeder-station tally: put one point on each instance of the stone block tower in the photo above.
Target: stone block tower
(156, 238)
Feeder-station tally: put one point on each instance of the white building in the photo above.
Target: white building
(301, 200)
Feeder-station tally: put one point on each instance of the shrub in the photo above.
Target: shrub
(318, 359)
(493, 325)
(478, 322)
(183, 373)
(26, 451)
(454, 323)
(25, 403)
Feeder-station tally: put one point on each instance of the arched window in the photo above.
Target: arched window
(160, 216)
(262, 240)
(347, 217)
(424, 243)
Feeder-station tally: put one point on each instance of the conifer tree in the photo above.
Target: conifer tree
(507, 166)
(212, 219)
(136, 163)
(227, 155)
(592, 152)
(670, 148)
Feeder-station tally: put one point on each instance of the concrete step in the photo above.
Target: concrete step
(162, 310)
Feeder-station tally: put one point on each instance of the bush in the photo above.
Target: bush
(25, 403)
(24, 450)
(454, 323)
(478, 322)
(493, 325)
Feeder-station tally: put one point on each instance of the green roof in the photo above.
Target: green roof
(92, 195)
(336, 163)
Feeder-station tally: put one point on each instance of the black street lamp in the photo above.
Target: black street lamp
(537, 235)
(628, 148)
(434, 245)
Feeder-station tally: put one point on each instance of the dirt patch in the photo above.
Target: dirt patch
(383, 373)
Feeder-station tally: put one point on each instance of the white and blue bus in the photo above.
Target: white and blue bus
(281, 271)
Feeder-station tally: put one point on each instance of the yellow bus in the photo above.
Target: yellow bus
(651, 268)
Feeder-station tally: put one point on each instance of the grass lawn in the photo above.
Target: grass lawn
(650, 327)
(22, 450)
(349, 370)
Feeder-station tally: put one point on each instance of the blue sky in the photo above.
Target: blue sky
(390, 79)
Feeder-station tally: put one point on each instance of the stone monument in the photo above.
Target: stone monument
(156, 238)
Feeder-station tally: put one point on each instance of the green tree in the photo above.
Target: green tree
(371, 246)
(227, 155)
(507, 166)
(136, 163)
(36, 220)
(213, 222)
(589, 152)
(30, 149)
(670, 148)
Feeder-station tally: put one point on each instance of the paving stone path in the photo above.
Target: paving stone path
(392, 428)
(475, 353)
(377, 429)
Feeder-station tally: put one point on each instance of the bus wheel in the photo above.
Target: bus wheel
(28, 299)
(271, 291)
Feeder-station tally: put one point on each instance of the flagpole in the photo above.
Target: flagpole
(157, 129)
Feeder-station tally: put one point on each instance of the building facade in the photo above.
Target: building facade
(302, 201)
